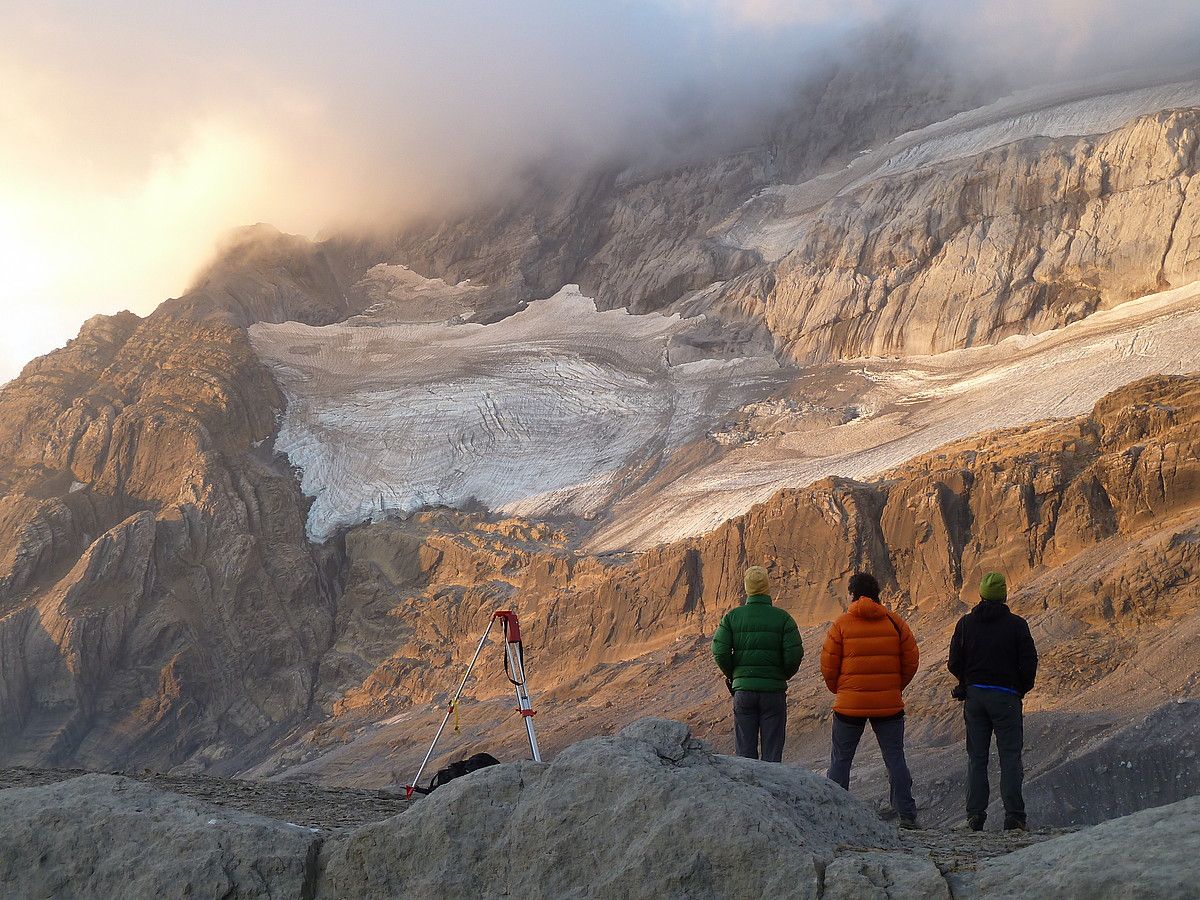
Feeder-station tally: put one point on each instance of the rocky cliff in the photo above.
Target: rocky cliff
(1019, 239)
(158, 600)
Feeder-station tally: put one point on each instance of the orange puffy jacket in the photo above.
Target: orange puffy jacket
(869, 657)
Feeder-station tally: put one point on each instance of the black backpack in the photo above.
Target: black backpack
(458, 769)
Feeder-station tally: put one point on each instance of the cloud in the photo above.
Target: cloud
(133, 134)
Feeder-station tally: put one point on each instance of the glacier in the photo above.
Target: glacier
(536, 414)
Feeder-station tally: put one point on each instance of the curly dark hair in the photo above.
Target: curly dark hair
(864, 585)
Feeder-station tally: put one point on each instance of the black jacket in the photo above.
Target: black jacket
(992, 645)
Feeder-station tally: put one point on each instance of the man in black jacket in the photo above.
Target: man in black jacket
(993, 657)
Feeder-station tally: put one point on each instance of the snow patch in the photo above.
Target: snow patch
(1087, 116)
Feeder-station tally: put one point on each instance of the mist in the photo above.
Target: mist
(132, 137)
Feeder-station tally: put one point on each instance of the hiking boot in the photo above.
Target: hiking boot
(975, 823)
(908, 823)
(1014, 823)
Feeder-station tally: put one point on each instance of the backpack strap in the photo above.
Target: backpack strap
(899, 633)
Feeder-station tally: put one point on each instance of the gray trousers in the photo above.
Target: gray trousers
(760, 714)
(986, 712)
(889, 732)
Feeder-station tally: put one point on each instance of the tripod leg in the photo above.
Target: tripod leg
(449, 711)
(524, 705)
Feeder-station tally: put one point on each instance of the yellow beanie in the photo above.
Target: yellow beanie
(756, 581)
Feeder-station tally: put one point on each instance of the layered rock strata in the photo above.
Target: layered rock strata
(159, 603)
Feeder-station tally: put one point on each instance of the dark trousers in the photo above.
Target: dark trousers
(985, 712)
(889, 731)
(760, 714)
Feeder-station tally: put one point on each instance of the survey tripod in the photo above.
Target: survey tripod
(514, 668)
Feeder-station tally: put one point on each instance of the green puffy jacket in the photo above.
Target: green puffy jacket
(758, 646)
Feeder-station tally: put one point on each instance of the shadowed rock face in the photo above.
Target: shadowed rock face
(158, 600)
(1149, 854)
(262, 275)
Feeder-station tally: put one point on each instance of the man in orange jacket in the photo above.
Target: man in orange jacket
(868, 659)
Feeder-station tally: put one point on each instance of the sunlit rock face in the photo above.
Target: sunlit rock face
(774, 221)
(534, 414)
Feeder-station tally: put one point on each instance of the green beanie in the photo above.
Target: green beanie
(993, 587)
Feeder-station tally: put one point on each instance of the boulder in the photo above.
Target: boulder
(1152, 854)
(650, 812)
(107, 836)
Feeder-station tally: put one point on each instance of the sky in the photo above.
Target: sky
(134, 135)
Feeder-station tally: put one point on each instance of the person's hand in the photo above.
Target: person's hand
(960, 692)
(729, 686)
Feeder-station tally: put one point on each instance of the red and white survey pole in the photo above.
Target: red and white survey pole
(514, 658)
(514, 668)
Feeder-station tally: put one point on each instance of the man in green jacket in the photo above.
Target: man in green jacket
(758, 648)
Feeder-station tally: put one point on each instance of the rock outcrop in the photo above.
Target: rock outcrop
(886, 876)
(159, 603)
(107, 836)
(1150, 855)
(648, 813)
(1149, 763)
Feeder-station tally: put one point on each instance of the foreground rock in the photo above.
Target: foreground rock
(650, 812)
(888, 876)
(107, 836)
(1154, 853)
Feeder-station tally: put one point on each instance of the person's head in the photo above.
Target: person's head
(864, 585)
(993, 587)
(757, 581)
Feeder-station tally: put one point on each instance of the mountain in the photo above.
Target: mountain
(910, 325)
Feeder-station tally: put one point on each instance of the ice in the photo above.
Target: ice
(398, 294)
(537, 414)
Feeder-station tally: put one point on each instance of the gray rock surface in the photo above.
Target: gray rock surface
(650, 812)
(884, 876)
(106, 836)
(1154, 853)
